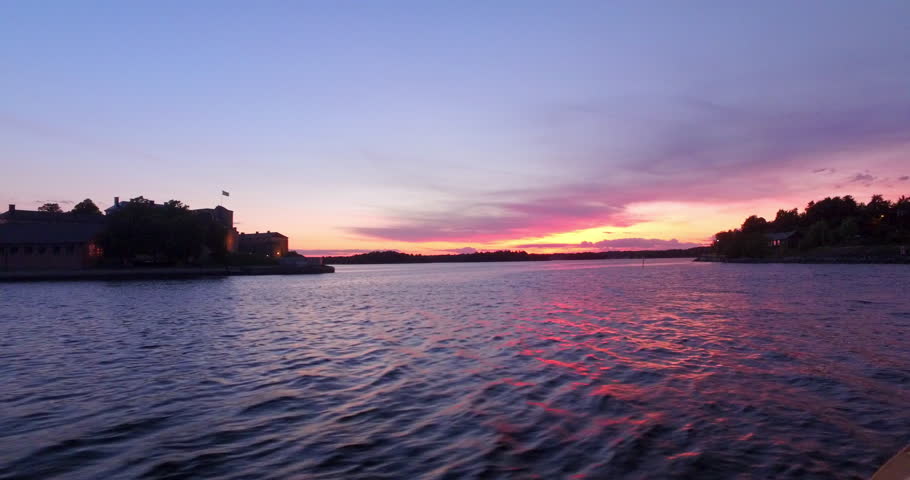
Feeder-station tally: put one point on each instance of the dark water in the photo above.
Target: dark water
(532, 370)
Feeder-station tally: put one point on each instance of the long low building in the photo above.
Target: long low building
(32, 240)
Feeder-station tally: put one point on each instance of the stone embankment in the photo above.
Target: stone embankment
(161, 273)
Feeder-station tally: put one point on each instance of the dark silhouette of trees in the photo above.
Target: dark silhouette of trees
(736, 244)
(161, 234)
(50, 207)
(86, 207)
(755, 224)
(786, 220)
(831, 210)
(832, 221)
(818, 235)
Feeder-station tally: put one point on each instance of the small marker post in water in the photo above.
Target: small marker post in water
(642, 263)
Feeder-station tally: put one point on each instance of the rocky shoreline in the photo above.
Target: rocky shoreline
(809, 259)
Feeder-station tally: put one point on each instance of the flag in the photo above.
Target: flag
(226, 194)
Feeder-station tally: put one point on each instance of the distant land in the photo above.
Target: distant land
(391, 256)
(831, 230)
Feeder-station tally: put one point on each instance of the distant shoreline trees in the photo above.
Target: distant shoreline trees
(391, 256)
(833, 221)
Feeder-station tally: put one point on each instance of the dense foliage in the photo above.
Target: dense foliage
(51, 208)
(833, 221)
(86, 207)
(391, 256)
(141, 230)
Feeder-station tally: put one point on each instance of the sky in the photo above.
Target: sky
(437, 127)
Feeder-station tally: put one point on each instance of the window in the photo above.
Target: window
(2, 250)
(57, 250)
(28, 250)
(70, 249)
(41, 250)
(13, 250)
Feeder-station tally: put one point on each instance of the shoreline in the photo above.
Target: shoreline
(812, 260)
(170, 273)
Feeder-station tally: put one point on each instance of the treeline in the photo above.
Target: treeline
(168, 233)
(634, 254)
(392, 256)
(85, 207)
(833, 221)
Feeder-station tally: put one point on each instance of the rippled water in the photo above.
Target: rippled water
(530, 370)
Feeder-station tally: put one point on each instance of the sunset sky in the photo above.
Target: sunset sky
(430, 127)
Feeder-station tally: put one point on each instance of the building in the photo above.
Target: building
(226, 218)
(219, 214)
(783, 239)
(269, 244)
(33, 240)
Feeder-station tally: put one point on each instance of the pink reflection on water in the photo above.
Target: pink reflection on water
(620, 391)
(516, 383)
(557, 411)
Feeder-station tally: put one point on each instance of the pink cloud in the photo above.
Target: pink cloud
(700, 151)
(333, 252)
(619, 244)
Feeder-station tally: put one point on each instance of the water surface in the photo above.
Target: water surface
(599, 369)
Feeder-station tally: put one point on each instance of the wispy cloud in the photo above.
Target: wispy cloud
(618, 244)
(864, 178)
(691, 151)
(333, 252)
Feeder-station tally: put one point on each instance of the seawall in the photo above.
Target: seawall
(160, 273)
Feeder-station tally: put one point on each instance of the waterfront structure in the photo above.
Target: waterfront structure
(783, 239)
(224, 217)
(218, 214)
(38, 240)
(31, 240)
(269, 244)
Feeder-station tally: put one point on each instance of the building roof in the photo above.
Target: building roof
(780, 235)
(48, 233)
(15, 216)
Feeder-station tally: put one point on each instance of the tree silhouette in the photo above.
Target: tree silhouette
(755, 224)
(86, 207)
(50, 207)
(167, 233)
(786, 220)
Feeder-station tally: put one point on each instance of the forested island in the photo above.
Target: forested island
(391, 256)
(831, 229)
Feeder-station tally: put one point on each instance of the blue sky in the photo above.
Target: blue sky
(434, 125)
